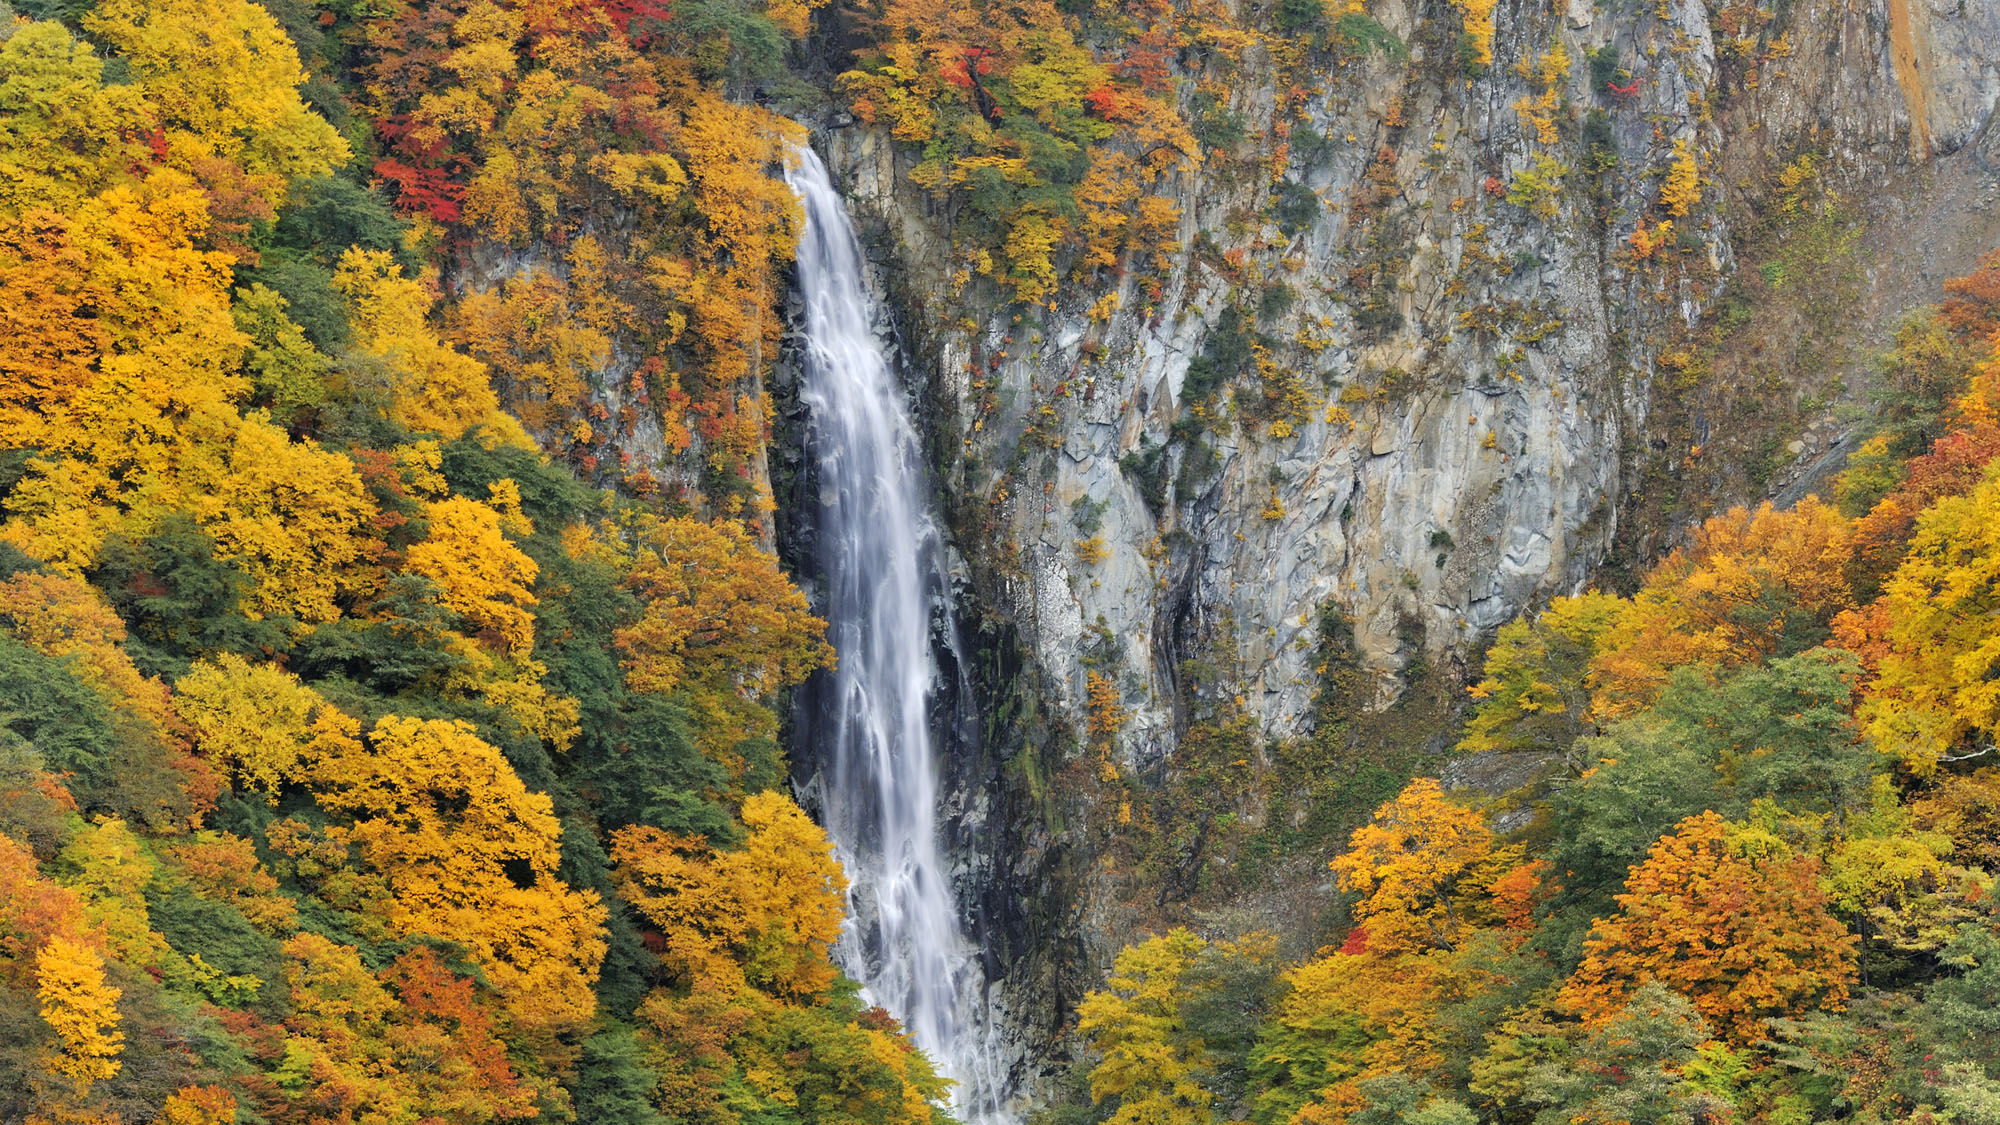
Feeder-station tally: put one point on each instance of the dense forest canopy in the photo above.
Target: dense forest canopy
(390, 717)
(362, 763)
(1752, 878)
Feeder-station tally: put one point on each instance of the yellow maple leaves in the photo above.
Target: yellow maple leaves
(258, 722)
(468, 853)
(223, 79)
(1935, 693)
(760, 917)
(434, 388)
(1414, 865)
(722, 622)
(80, 1008)
(1738, 926)
(479, 572)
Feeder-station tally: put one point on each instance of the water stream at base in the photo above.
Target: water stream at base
(882, 563)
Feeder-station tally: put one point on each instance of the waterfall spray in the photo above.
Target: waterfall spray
(883, 566)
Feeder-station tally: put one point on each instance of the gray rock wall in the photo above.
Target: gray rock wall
(1515, 444)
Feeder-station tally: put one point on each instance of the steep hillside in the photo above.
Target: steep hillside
(1410, 319)
(410, 548)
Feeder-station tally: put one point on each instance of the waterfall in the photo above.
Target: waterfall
(882, 563)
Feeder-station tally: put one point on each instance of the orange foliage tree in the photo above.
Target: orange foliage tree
(1728, 918)
(466, 853)
(1417, 866)
(1751, 585)
(761, 917)
(411, 1042)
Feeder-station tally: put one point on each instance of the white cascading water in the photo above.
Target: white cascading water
(881, 560)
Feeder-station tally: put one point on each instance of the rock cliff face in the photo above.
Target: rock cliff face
(1462, 367)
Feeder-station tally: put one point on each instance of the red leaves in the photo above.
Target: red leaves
(649, 16)
(1105, 102)
(1972, 302)
(965, 70)
(430, 191)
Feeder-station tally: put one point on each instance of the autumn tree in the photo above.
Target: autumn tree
(258, 722)
(1727, 917)
(1643, 1065)
(53, 346)
(33, 910)
(1750, 585)
(199, 1105)
(65, 618)
(1535, 691)
(1415, 866)
(1323, 1032)
(223, 79)
(80, 1009)
(721, 621)
(468, 854)
(64, 133)
(413, 1041)
(1934, 696)
(434, 389)
(155, 436)
(225, 868)
(479, 572)
(1680, 189)
(1149, 1069)
(762, 916)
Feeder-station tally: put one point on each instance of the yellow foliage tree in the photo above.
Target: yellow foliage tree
(199, 1105)
(63, 133)
(761, 917)
(1418, 865)
(434, 389)
(1353, 1015)
(258, 722)
(161, 301)
(1132, 1025)
(480, 574)
(533, 336)
(224, 80)
(153, 430)
(53, 345)
(109, 870)
(1681, 190)
(469, 855)
(1534, 694)
(80, 1008)
(721, 621)
(291, 514)
(1935, 694)
(358, 1051)
(1477, 21)
(225, 867)
(62, 616)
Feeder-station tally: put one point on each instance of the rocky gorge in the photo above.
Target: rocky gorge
(1494, 393)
